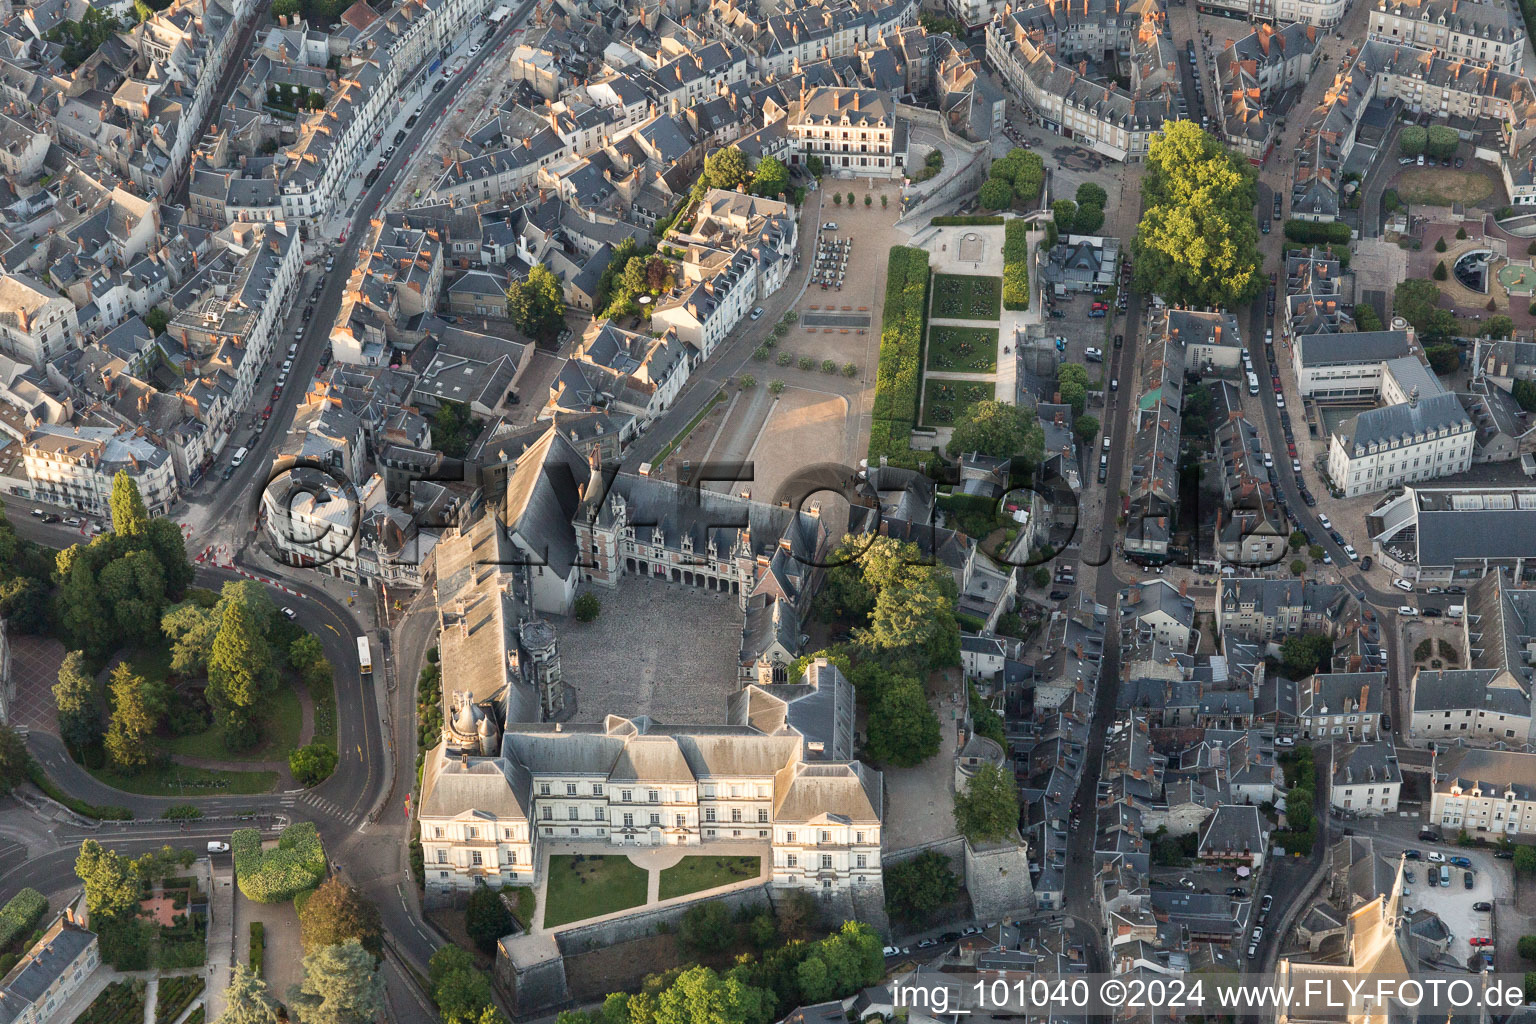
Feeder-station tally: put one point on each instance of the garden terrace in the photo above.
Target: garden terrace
(964, 297)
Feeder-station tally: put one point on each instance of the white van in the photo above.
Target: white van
(1253, 383)
(1454, 611)
(239, 456)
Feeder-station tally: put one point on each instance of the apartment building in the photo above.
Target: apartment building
(1341, 705)
(1365, 778)
(1487, 792)
(1421, 432)
(50, 972)
(73, 466)
(37, 325)
(854, 132)
(1253, 71)
(1489, 32)
(1337, 366)
(1270, 610)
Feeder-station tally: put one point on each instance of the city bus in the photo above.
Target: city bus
(364, 657)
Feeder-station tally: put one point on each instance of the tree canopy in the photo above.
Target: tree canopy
(903, 730)
(537, 305)
(1197, 244)
(770, 178)
(1417, 301)
(988, 808)
(487, 918)
(916, 888)
(78, 703)
(336, 912)
(1305, 653)
(248, 1001)
(111, 884)
(341, 985)
(14, 759)
(137, 707)
(998, 429)
(240, 665)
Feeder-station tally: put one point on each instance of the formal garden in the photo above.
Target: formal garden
(581, 886)
(165, 683)
(149, 911)
(945, 402)
(962, 349)
(967, 297)
(696, 874)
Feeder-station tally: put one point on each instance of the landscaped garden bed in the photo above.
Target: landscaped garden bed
(967, 297)
(121, 1002)
(962, 349)
(945, 401)
(580, 887)
(175, 995)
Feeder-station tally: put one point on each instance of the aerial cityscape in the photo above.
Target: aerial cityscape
(767, 511)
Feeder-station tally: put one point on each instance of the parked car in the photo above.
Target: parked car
(1265, 904)
(1403, 585)
(1058, 595)
(1467, 879)
(1436, 857)
(1479, 940)
(52, 517)
(757, 313)
(1483, 908)
(1431, 613)
(1460, 862)
(1365, 563)
(217, 847)
(1412, 855)
(290, 614)
(1407, 610)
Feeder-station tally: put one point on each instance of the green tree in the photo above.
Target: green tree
(537, 305)
(1064, 213)
(1090, 194)
(1461, 234)
(487, 919)
(1440, 245)
(1305, 653)
(1366, 317)
(815, 166)
(995, 194)
(191, 629)
(1298, 540)
(916, 888)
(454, 429)
(78, 704)
(1197, 243)
(725, 168)
(313, 764)
(447, 960)
(770, 178)
(998, 429)
(1499, 326)
(700, 996)
(1524, 392)
(1439, 274)
(903, 730)
(240, 669)
(111, 885)
(137, 707)
(157, 320)
(14, 759)
(78, 601)
(587, 607)
(336, 912)
(706, 928)
(1088, 221)
(1443, 358)
(1525, 859)
(1041, 577)
(1417, 301)
(133, 586)
(988, 807)
(1085, 427)
(1412, 140)
(341, 985)
(463, 997)
(129, 516)
(248, 1001)
(1298, 567)
(1527, 947)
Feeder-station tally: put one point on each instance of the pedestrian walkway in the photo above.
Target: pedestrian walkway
(309, 798)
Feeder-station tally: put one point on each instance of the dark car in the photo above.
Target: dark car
(1412, 855)
(1306, 496)
(1235, 891)
(1264, 227)
(1119, 340)
(229, 471)
(1504, 854)
(1277, 206)
(1058, 595)
(1430, 613)
(1467, 880)
(51, 517)
(1483, 908)
(950, 937)
(1366, 563)
(1458, 862)
(399, 136)
(1455, 590)
(438, 85)
(1338, 538)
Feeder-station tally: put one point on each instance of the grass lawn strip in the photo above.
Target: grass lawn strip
(967, 297)
(695, 874)
(945, 401)
(962, 349)
(580, 887)
(184, 780)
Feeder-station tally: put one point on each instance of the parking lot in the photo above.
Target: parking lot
(1492, 881)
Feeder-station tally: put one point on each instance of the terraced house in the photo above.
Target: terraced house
(1486, 792)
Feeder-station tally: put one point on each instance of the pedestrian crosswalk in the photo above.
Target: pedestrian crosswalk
(321, 804)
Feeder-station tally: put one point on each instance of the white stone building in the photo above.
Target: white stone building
(1365, 778)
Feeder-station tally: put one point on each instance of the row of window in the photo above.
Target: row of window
(654, 796)
(859, 861)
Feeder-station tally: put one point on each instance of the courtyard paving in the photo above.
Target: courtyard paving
(658, 648)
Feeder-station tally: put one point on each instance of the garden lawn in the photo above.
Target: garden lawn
(580, 887)
(1442, 186)
(183, 780)
(695, 874)
(962, 349)
(967, 297)
(945, 401)
(281, 724)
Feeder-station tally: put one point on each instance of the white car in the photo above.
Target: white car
(217, 847)
(1436, 857)
(1279, 401)
(1296, 466)
(1349, 549)
(1092, 353)
(1403, 585)
(290, 614)
(1324, 520)
(757, 313)
(1269, 461)
(1409, 610)
(830, 225)
(474, 49)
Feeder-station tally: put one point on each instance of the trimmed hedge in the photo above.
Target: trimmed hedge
(258, 947)
(1312, 231)
(277, 876)
(20, 915)
(175, 995)
(976, 220)
(898, 377)
(1016, 265)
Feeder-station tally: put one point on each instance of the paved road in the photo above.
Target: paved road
(239, 495)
